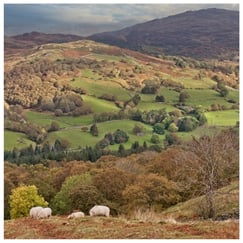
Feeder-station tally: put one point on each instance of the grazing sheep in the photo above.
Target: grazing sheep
(76, 215)
(35, 211)
(99, 210)
(44, 213)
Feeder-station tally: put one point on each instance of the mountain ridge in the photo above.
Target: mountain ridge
(205, 33)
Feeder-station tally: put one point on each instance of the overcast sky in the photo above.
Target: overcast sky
(87, 19)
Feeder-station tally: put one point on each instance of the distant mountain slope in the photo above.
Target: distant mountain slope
(28, 40)
(200, 34)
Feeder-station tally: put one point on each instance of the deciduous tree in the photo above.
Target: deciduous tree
(218, 164)
(22, 199)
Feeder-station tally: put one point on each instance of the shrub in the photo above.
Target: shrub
(47, 104)
(84, 129)
(138, 129)
(187, 124)
(120, 136)
(180, 63)
(201, 117)
(62, 202)
(136, 99)
(58, 112)
(151, 190)
(221, 88)
(108, 97)
(103, 143)
(171, 138)
(159, 128)
(172, 127)
(134, 196)
(22, 199)
(183, 96)
(121, 150)
(149, 89)
(110, 138)
(54, 126)
(155, 139)
(154, 116)
(94, 130)
(83, 197)
(160, 98)
(111, 182)
(176, 113)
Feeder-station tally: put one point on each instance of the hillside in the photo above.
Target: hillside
(73, 85)
(209, 33)
(178, 222)
(29, 40)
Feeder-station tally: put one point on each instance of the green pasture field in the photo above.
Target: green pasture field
(192, 83)
(44, 119)
(198, 132)
(99, 105)
(16, 139)
(101, 87)
(207, 97)
(216, 120)
(41, 118)
(78, 138)
(147, 97)
(234, 95)
(147, 106)
(109, 58)
(75, 121)
(171, 96)
(88, 73)
(148, 100)
(222, 118)
(75, 136)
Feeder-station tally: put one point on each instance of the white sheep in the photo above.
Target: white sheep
(76, 215)
(99, 210)
(44, 213)
(34, 211)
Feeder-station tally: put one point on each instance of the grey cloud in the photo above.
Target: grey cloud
(86, 19)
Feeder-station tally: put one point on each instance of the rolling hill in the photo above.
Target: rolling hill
(23, 43)
(86, 79)
(208, 33)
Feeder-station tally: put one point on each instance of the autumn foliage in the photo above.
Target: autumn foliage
(22, 199)
(147, 180)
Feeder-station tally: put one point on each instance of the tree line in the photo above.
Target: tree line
(59, 152)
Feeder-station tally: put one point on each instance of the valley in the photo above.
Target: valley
(144, 120)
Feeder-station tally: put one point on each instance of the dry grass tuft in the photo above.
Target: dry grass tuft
(149, 215)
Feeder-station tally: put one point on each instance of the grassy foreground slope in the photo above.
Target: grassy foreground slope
(226, 203)
(181, 221)
(117, 228)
